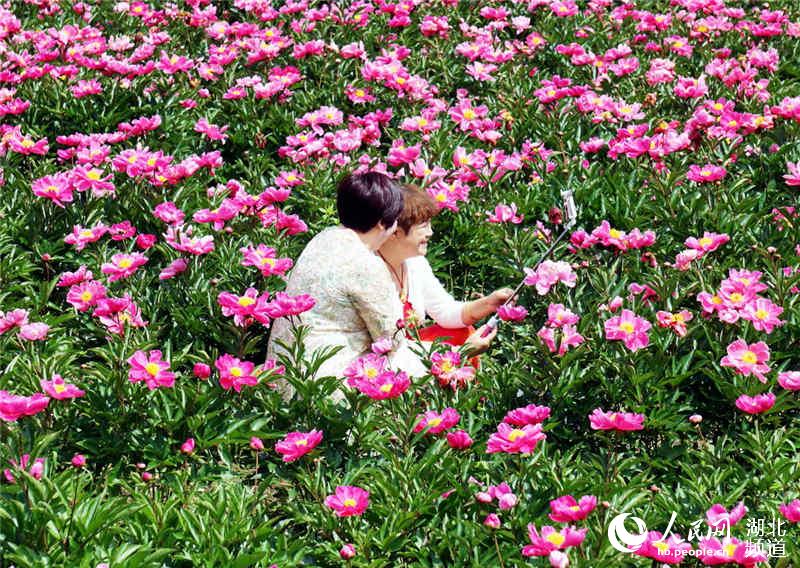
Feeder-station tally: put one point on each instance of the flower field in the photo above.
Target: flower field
(164, 163)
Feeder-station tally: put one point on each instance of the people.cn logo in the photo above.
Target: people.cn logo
(621, 539)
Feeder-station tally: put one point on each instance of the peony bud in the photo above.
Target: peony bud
(492, 521)
(256, 444)
(188, 446)
(201, 370)
(348, 551)
(695, 419)
(78, 460)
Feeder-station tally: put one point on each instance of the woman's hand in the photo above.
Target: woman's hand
(476, 310)
(476, 344)
(499, 297)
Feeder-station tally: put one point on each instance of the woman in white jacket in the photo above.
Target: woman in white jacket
(418, 288)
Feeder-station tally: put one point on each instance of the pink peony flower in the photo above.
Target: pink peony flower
(677, 322)
(755, 404)
(36, 331)
(388, 384)
(123, 265)
(790, 380)
(504, 214)
(447, 368)
(558, 315)
(718, 516)
(748, 359)
(149, 367)
(85, 295)
(36, 468)
(58, 188)
(297, 444)
(793, 177)
(531, 414)
(263, 258)
(706, 174)
(671, 550)
(620, 421)
(729, 550)
(791, 511)
(630, 329)
(763, 314)
(459, 440)
(566, 510)
(436, 422)
(348, 500)
(58, 389)
(235, 373)
(548, 274)
(284, 305)
(512, 313)
(13, 407)
(519, 440)
(550, 539)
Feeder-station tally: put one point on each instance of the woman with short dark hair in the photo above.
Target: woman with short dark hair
(355, 304)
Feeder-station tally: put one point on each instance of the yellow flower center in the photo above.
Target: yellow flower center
(349, 502)
(762, 314)
(716, 300)
(705, 241)
(132, 159)
(302, 442)
(575, 508)
(125, 263)
(152, 369)
(615, 234)
(245, 301)
(441, 197)
(749, 357)
(514, 434)
(736, 297)
(551, 92)
(93, 175)
(86, 296)
(51, 188)
(705, 173)
(266, 260)
(434, 422)
(422, 122)
(661, 546)
(236, 371)
(386, 388)
(555, 538)
(27, 143)
(371, 372)
(627, 327)
(87, 233)
(59, 388)
(469, 114)
(729, 549)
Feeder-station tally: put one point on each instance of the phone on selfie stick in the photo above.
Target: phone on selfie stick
(572, 217)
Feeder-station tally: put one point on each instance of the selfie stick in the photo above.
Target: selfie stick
(572, 216)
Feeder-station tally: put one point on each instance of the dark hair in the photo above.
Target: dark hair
(418, 207)
(364, 200)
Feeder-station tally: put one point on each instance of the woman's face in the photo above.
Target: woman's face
(415, 241)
